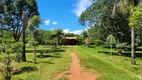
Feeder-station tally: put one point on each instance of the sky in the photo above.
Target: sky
(62, 14)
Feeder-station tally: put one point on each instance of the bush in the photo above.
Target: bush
(120, 47)
(110, 41)
(97, 42)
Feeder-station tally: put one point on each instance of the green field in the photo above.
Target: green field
(47, 67)
(119, 68)
(51, 64)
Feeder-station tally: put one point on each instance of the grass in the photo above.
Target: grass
(51, 64)
(47, 68)
(108, 70)
(63, 78)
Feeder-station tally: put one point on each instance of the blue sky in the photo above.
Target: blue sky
(62, 14)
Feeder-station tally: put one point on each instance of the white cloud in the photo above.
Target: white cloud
(75, 32)
(55, 23)
(46, 22)
(66, 30)
(81, 6)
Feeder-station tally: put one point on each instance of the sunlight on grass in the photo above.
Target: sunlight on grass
(46, 68)
(108, 70)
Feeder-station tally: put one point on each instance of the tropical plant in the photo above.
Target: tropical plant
(130, 8)
(120, 47)
(15, 17)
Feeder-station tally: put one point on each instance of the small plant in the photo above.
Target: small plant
(120, 47)
(17, 49)
(34, 44)
(41, 54)
(63, 78)
(54, 45)
(97, 42)
(110, 41)
(6, 60)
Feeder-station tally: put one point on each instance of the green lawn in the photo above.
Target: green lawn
(98, 63)
(117, 69)
(47, 68)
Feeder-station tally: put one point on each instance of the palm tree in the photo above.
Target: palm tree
(124, 6)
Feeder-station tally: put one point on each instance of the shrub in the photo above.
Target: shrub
(120, 47)
(97, 42)
(110, 41)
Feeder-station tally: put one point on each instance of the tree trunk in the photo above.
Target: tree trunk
(58, 39)
(133, 46)
(34, 55)
(24, 47)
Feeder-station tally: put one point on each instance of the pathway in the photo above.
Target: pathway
(75, 72)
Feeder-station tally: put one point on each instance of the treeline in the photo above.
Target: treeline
(45, 37)
(56, 36)
(116, 20)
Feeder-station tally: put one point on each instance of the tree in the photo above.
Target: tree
(125, 7)
(15, 16)
(34, 44)
(135, 23)
(84, 35)
(33, 26)
(98, 18)
(111, 41)
(58, 32)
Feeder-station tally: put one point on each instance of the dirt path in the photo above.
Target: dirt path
(75, 72)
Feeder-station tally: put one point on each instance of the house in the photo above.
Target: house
(70, 40)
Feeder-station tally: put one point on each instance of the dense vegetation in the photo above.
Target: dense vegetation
(119, 18)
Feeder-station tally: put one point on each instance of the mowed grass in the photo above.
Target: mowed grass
(117, 69)
(47, 67)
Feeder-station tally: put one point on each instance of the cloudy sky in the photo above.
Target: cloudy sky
(62, 14)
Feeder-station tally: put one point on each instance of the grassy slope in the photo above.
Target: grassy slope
(47, 69)
(108, 70)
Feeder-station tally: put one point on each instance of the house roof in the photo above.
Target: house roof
(70, 38)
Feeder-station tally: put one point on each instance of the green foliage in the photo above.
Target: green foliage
(63, 78)
(14, 20)
(84, 35)
(47, 69)
(136, 17)
(34, 22)
(57, 33)
(101, 24)
(97, 42)
(54, 45)
(33, 43)
(17, 48)
(120, 47)
(110, 41)
(6, 59)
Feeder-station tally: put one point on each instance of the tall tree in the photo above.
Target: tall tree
(99, 15)
(125, 7)
(13, 19)
(58, 32)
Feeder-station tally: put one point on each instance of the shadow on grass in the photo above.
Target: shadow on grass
(46, 51)
(48, 56)
(125, 53)
(38, 51)
(128, 54)
(25, 69)
(108, 52)
(47, 62)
